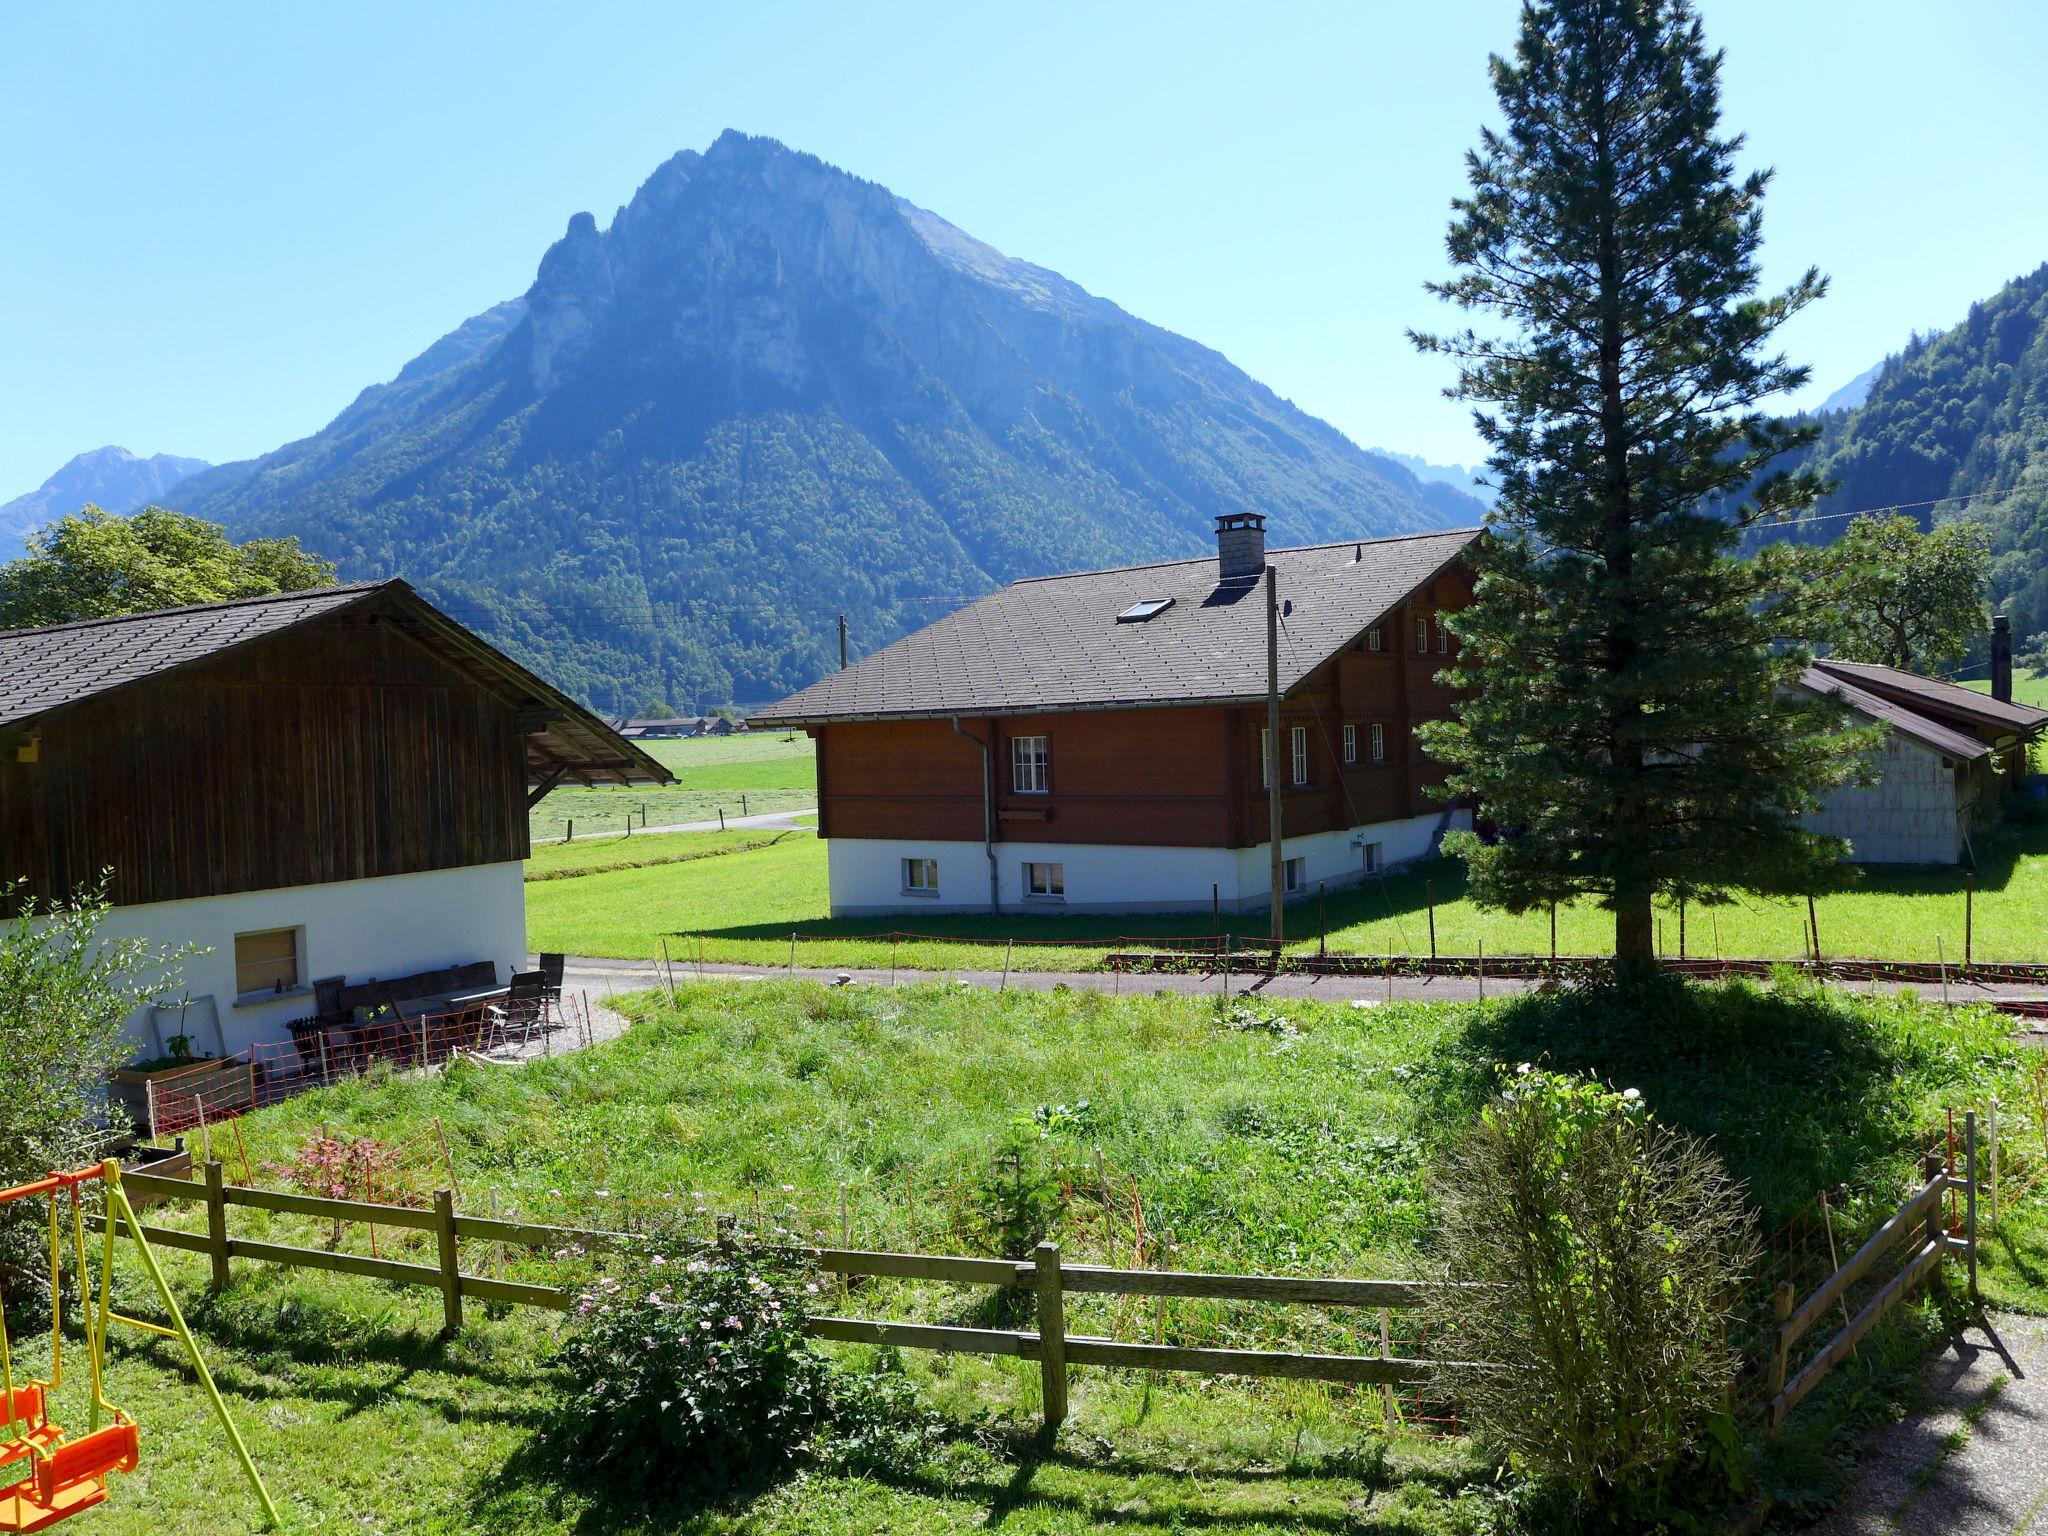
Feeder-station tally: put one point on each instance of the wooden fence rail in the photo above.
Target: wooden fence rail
(1917, 1223)
(1045, 1274)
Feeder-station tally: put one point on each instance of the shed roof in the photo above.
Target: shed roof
(1935, 693)
(1900, 717)
(52, 668)
(1054, 643)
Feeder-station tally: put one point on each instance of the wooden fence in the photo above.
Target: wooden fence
(1918, 1222)
(1045, 1274)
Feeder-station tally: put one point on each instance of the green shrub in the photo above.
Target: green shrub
(1608, 1248)
(692, 1376)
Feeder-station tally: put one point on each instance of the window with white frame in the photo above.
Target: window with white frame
(1379, 742)
(921, 877)
(267, 961)
(1030, 764)
(1294, 875)
(1443, 637)
(1372, 638)
(1350, 743)
(1045, 881)
(1297, 751)
(1372, 858)
(1421, 634)
(1265, 758)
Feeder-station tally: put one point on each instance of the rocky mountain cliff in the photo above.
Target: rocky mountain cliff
(769, 393)
(110, 478)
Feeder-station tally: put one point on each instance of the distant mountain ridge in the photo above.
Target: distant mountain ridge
(111, 478)
(770, 393)
(1466, 481)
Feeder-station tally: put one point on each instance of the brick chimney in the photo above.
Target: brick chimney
(2001, 658)
(1240, 544)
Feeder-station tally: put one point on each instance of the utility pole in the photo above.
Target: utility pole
(842, 642)
(1273, 755)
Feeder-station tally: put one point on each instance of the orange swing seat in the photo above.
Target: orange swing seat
(71, 1477)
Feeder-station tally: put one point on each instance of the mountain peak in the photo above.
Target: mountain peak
(111, 478)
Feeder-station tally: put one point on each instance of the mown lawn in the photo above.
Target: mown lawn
(1293, 1142)
(772, 772)
(645, 850)
(744, 908)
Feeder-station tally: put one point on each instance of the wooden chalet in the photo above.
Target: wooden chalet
(331, 783)
(1095, 741)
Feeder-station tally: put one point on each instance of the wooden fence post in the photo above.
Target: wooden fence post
(1969, 920)
(451, 1268)
(217, 1225)
(1774, 1381)
(1052, 1336)
(1970, 1196)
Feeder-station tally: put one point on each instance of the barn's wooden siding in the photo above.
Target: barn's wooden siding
(1162, 777)
(337, 750)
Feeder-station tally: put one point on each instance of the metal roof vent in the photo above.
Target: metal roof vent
(1138, 613)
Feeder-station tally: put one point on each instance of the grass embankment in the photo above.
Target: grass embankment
(744, 908)
(2026, 688)
(1258, 1146)
(773, 773)
(646, 850)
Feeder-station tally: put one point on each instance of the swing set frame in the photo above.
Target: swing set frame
(68, 1473)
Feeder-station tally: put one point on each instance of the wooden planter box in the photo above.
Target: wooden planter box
(230, 1085)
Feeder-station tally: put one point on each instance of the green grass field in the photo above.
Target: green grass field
(744, 907)
(772, 772)
(1298, 1149)
(2026, 688)
(644, 850)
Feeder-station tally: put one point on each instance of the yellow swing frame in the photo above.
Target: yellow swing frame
(69, 1474)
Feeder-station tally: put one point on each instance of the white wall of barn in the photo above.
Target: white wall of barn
(391, 926)
(867, 873)
(1915, 813)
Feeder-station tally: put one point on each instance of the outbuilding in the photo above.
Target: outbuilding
(332, 783)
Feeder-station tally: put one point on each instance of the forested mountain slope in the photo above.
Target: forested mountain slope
(768, 393)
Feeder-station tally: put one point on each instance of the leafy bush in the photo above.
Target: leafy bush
(692, 1375)
(1609, 1248)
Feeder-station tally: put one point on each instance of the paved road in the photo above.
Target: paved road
(1975, 1463)
(602, 977)
(775, 821)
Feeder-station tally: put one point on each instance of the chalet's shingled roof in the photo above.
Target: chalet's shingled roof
(48, 669)
(1053, 643)
(1901, 718)
(45, 669)
(1914, 690)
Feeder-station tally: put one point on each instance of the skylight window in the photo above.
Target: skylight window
(1138, 613)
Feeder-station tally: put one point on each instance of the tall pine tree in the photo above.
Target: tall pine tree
(1633, 730)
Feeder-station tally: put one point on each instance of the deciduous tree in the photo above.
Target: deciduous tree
(1885, 592)
(1634, 729)
(94, 565)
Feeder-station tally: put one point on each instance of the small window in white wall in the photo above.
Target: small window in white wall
(1350, 743)
(1294, 876)
(1297, 751)
(1379, 743)
(1372, 858)
(921, 876)
(266, 961)
(1045, 881)
(1030, 764)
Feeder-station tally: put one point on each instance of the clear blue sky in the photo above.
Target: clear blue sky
(222, 220)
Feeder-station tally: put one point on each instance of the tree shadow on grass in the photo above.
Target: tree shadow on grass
(1798, 1088)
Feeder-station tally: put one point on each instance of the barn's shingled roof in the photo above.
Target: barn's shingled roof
(49, 669)
(1053, 643)
(1917, 692)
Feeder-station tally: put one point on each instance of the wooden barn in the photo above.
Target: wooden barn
(320, 784)
(1096, 742)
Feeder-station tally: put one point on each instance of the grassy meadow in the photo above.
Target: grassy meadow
(743, 907)
(774, 773)
(1282, 1142)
